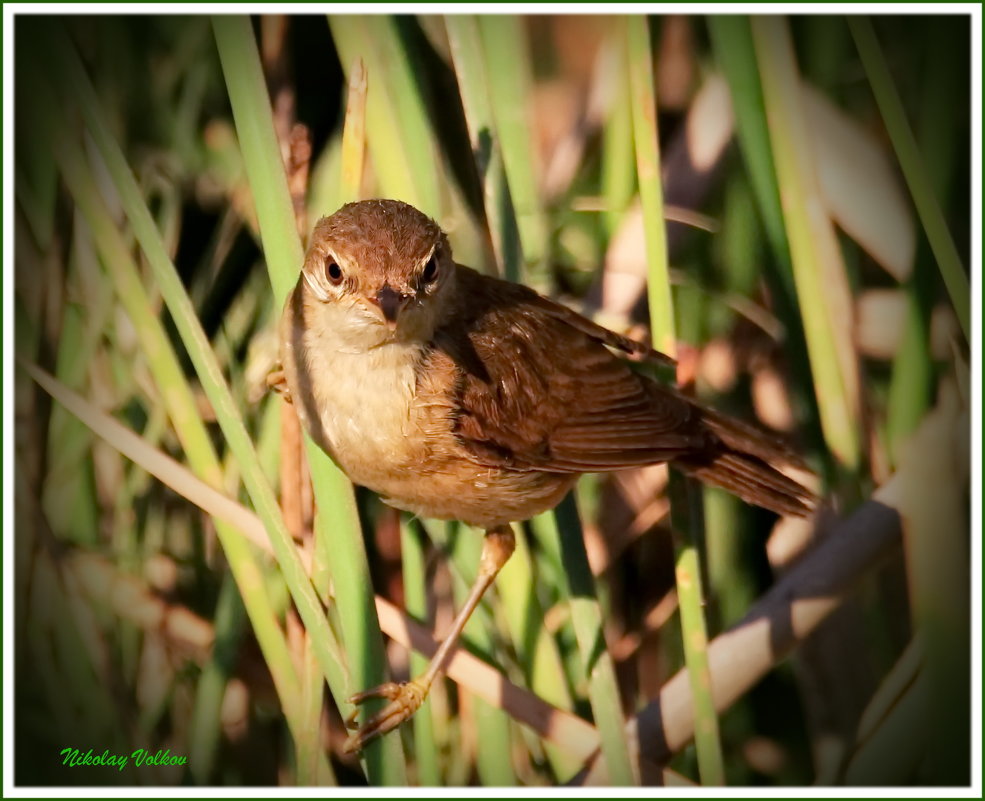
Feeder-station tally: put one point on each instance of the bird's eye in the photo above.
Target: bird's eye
(430, 270)
(334, 273)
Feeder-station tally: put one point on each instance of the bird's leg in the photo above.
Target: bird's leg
(406, 697)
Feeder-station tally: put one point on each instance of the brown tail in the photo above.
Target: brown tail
(739, 461)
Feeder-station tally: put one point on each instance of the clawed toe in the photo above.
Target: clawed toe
(405, 699)
(277, 382)
(390, 690)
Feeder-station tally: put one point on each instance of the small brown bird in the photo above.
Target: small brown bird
(455, 395)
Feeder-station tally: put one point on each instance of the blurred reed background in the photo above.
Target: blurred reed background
(175, 587)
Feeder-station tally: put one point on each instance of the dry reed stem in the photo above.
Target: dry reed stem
(787, 614)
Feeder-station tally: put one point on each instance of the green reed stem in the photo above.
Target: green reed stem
(684, 518)
(509, 80)
(71, 76)
(334, 494)
(644, 114)
(914, 169)
(414, 564)
(398, 132)
(578, 589)
(465, 41)
(164, 366)
(203, 738)
(792, 157)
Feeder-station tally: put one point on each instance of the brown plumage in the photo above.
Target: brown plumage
(536, 389)
(460, 396)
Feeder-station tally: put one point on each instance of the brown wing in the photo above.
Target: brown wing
(536, 388)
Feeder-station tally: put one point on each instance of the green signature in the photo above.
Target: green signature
(74, 758)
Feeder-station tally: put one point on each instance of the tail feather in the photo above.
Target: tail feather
(740, 459)
(753, 480)
(746, 438)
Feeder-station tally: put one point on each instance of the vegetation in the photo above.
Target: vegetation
(779, 203)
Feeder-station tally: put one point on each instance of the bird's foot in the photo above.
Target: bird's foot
(277, 381)
(405, 699)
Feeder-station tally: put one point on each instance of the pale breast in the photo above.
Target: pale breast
(367, 412)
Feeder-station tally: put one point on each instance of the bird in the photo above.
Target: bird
(457, 395)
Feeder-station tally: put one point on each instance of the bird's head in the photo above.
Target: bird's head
(378, 271)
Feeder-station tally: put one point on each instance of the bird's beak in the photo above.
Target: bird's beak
(391, 303)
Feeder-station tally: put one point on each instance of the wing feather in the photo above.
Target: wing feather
(536, 387)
